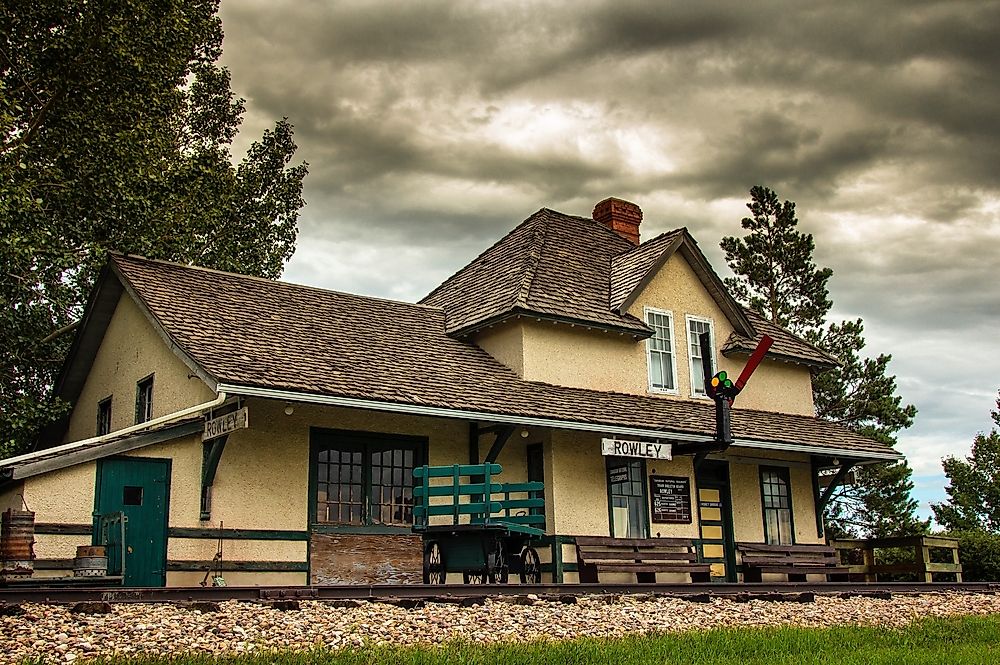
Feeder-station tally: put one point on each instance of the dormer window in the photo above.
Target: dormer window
(660, 352)
(696, 326)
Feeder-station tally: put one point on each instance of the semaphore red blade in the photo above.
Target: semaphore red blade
(755, 358)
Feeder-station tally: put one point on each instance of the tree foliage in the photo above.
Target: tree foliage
(774, 268)
(776, 276)
(861, 396)
(973, 486)
(116, 124)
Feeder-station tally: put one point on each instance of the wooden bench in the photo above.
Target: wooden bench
(644, 557)
(796, 561)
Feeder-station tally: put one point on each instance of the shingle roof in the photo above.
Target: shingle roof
(552, 264)
(787, 345)
(572, 268)
(630, 269)
(261, 333)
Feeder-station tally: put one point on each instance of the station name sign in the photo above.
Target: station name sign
(621, 448)
(216, 427)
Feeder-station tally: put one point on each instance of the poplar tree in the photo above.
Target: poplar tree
(116, 123)
(775, 275)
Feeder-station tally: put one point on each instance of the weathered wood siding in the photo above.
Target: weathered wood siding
(365, 559)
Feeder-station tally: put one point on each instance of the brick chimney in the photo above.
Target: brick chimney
(622, 217)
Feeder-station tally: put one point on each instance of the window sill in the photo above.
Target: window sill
(360, 529)
(664, 391)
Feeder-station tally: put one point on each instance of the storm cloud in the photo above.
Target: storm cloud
(432, 128)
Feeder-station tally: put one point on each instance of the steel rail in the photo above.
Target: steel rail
(464, 592)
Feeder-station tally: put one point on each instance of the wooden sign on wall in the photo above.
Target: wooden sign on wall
(670, 499)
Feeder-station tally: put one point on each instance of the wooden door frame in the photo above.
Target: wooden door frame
(99, 472)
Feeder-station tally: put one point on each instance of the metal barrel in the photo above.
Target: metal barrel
(17, 539)
(90, 566)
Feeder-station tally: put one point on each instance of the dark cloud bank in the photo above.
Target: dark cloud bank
(432, 128)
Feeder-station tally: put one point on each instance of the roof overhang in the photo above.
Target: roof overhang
(641, 331)
(554, 423)
(44, 461)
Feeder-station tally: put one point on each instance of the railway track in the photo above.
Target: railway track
(459, 592)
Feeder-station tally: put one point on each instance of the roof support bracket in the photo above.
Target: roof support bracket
(211, 455)
(842, 472)
(502, 437)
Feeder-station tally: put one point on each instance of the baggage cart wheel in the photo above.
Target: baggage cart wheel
(434, 572)
(531, 567)
(475, 577)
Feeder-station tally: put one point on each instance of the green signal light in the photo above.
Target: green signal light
(728, 383)
(722, 375)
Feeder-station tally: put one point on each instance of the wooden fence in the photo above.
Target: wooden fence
(860, 557)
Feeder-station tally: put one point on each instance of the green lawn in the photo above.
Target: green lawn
(943, 641)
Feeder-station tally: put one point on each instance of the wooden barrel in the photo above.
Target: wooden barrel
(17, 540)
(90, 561)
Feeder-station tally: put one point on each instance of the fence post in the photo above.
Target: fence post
(923, 558)
(869, 561)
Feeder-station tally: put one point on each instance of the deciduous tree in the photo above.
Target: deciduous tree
(973, 486)
(115, 130)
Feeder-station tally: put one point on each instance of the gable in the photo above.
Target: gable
(678, 289)
(632, 272)
(129, 350)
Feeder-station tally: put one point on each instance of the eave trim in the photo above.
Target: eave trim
(462, 414)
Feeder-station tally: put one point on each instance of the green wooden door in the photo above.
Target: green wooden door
(140, 488)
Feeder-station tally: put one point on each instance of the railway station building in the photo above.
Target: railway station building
(284, 422)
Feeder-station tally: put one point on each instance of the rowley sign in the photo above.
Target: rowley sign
(619, 448)
(216, 427)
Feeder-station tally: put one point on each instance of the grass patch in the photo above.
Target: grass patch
(953, 641)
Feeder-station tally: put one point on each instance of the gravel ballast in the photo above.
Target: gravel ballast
(55, 633)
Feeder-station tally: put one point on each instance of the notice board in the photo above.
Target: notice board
(670, 497)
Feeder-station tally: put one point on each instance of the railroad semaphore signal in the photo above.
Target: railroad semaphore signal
(724, 390)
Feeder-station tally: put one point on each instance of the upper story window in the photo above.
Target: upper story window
(696, 326)
(777, 505)
(660, 351)
(144, 400)
(104, 416)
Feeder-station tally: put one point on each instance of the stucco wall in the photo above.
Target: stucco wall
(262, 483)
(776, 386)
(131, 351)
(744, 478)
(575, 356)
(505, 343)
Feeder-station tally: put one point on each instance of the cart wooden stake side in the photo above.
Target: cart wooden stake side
(481, 531)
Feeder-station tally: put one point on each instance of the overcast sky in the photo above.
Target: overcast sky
(432, 128)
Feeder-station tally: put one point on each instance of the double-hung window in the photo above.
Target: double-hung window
(365, 480)
(627, 497)
(776, 498)
(696, 326)
(144, 400)
(660, 352)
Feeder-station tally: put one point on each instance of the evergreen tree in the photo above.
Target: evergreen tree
(862, 397)
(774, 268)
(973, 486)
(115, 128)
(776, 276)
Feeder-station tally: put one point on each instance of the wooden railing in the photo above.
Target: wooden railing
(860, 557)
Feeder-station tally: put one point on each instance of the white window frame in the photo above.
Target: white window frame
(646, 311)
(688, 318)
